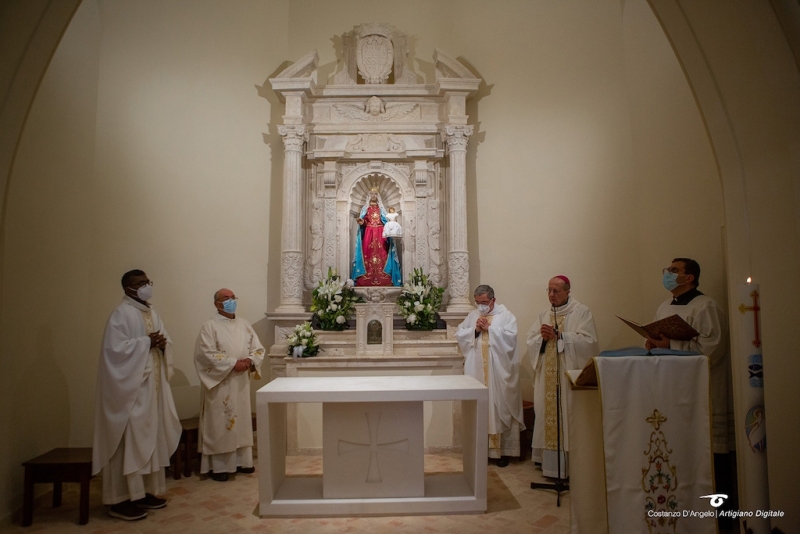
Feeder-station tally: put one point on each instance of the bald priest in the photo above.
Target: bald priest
(227, 355)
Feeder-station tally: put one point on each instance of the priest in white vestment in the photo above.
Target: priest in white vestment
(488, 340)
(703, 314)
(574, 344)
(227, 354)
(136, 427)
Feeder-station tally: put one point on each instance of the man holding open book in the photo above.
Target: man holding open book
(703, 314)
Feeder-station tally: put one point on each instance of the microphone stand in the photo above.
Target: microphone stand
(560, 484)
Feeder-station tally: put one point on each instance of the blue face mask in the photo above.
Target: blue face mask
(229, 306)
(670, 280)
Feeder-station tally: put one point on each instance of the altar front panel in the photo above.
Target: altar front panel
(303, 495)
(440, 418)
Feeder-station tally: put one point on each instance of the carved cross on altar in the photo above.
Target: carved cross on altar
(347, 447)
(755, 308)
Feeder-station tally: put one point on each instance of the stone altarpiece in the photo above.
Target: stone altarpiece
(375, 125)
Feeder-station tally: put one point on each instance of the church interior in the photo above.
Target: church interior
(608, 138)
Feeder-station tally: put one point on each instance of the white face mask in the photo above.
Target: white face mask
(145, 292)
(484, 308)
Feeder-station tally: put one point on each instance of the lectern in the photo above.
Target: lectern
(640, 444)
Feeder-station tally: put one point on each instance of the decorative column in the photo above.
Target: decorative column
(294, 138)
(456, 138)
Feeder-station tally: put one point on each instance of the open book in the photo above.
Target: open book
(672, 327)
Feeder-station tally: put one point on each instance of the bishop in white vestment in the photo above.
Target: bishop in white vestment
(227, 354)
(136, 427)
(488, 340)
(574, 345)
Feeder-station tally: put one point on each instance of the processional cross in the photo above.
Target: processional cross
(755, 308)
(374, 472)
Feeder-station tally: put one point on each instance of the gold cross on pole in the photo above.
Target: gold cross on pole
(755, 308)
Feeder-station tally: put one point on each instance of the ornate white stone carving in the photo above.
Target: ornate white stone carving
(281, 333)
(314, 260)
(378, 294)
(422, 237)
(330, 234)
(375, 143)
(294, 136)
(292, 285)
(456, 137)
(391, 133)
(459, 275)
(375, 109)
(434, 233)
(375, 56)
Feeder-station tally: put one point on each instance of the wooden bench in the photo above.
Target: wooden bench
(187, 448)
(186, 453)
(58, 466)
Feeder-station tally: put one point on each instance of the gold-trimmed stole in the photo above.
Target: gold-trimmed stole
(494, 439)
(149, 328)
(550, 384)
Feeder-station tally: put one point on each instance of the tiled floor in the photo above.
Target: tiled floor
(204, 506)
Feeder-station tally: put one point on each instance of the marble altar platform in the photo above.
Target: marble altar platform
(356, 406)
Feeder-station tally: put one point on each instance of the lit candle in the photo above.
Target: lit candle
(752, 431)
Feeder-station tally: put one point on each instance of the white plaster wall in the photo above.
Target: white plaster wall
(48, 347)
(151, 146)
(679, 209)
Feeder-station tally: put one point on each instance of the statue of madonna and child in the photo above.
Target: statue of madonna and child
(376, 262)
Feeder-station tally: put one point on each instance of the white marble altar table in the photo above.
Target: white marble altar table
(361, 403)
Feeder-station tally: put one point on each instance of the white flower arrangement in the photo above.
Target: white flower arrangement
(302, 341)
(419, 302)
(333, 302)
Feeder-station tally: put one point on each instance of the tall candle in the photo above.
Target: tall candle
(753, 456)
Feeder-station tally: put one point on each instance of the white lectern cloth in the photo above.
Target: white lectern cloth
(657, 441)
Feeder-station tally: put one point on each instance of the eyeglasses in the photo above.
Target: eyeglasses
(227, 299)
(673, 270)
(553, 291)
(141, 284)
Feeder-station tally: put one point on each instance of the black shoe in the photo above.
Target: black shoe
(246, 470)
(127, 511)
(219, 477)
(151, 502)
(502, 462)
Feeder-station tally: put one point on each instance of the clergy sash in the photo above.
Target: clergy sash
(551, 354)
(494, 439)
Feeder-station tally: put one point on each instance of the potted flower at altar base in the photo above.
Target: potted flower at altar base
(302, 341)
(333, 302)
(419, 302)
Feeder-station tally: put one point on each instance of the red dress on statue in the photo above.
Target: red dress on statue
(375, 248)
